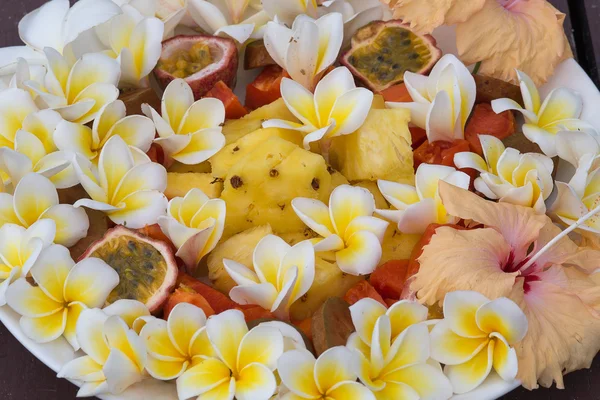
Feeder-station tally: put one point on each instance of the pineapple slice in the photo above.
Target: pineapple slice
(234, 152)
(260, 187)
(293, 238)
(372, 187)
(380, 149)
(329, 281)
(201, 168)
(236, 128)
(178, 184)
(397, 245)
(337, 179)
(378, 102)
(237, 248)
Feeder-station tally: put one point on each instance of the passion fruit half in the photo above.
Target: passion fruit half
(200, 60)
(381, 52)
(147, 268)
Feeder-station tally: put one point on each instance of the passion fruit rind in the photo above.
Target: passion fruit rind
(224, 65)
(147, 267)
(382, 51)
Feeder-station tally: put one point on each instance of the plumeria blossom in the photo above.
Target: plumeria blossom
(442, 101)
(79, 90)
(288, 11)
(115, 355)
(559, 111)
(194, 224)
(177, 344)
(307, 49)
(281, 275)
(112, 120)
(356, 13)
(475, 336)
(190, 132)
(523, 256)
(28, 144)
(62, 290)
(400, 368)
(129, 193)
(133, 312)
(244, 364)
(347, 227)
(55, 24)
(582, 193)
(36, 199)
(238, 19)
(509, 176)
(418, 206)
(19, 250)
(336, 108)
(16, 74)
(331, 376)
(367, 311)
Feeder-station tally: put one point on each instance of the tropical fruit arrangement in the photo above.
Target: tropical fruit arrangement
(299, 199)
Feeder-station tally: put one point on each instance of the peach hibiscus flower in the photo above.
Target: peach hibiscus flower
(519, 255)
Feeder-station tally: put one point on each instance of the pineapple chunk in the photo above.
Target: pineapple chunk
(397, 245)
(234, 152)
(337, 179)
(380, 149)
(293, 238)
(378, 102)
(372, 187)
(329, 281)
(237, 248)
(201, 168)
(178, 184)
(260, 187)
(236, 128)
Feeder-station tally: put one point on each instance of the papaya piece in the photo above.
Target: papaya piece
(153, 231)
(184, 294)
(418, 136)
(439, 152)
(304, 326)
(362, 290)
(484, 121)
(233, 107)
(254, 312)
(489, 89)
(331, 325)
(257, 56)
(389, 278)
(217, 300)
(397, 93)
(265, 89)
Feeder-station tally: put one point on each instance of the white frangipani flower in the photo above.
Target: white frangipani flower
(336, 108)
(347, 227)
(172, 13)
(190, 132)
(129, 193)
(133, 312)
(442, 101)
(400, 368)
(112, 120)
(36, 199)
(475, 336)
(418, 206)
(55, 24)
(307, 49)
(79, 90)
(281, 275)
(115, 355)
(178, 344)
(560, 111)
(194, 224)
(243, 368)
(62, 290)
(356, 13)
(582, 193)
(509, 176)
(19, 250)
(16, 74)
(287, 11)
(238, 19)
(332, 376)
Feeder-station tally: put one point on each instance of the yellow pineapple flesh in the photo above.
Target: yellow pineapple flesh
(201, 168)
(397, 245)
(237, 248)
(380, 149)
(258, 190)
(371, 186)
(178, 184)
(234, 152)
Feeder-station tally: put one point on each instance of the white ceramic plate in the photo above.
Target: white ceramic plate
(57, 353)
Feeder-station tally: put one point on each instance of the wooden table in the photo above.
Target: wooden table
(23, 377)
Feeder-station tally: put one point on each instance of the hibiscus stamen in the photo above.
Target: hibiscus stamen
(561, 235)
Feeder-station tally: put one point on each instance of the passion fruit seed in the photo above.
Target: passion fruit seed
(141, 267)
(185, 63)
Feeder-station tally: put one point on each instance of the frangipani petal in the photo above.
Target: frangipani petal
(333, 367)
(34, 194)
(44, 329)
(90, 282)
(467, 376)
(451, 349)
(261, 294)
(348, 202)
(297, 371)
(504, 317)
(225, 332)
(183, 323)
(71, 223)
(262, 345)
(361, 255)
(460, 309)
(202, 378)
(365, 313)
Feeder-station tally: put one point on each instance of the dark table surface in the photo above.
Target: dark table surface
(23, 377)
